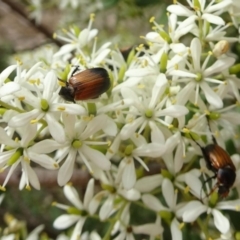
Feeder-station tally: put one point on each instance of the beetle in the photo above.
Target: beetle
(87, 84)
(220, 163)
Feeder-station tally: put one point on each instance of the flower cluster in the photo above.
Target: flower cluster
(140, 139)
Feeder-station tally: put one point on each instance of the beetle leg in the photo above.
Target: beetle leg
(213, 189)
(202, 148)
(213, 137)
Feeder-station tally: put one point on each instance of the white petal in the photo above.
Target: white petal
(32, 176)
(173, 111)
(55, 128)
(156, 134)
(220, 65)
(111, 128)
(168, 193)
(185, 93)
(6, 72)
(65, 221)
(129, 175)
(152, 202)
(45, 146)
(220, 221)
(175, 231)
(101, 56)
(149, 183)
(68, 108)
(29, 133)
(88, 193)
(5, 139)
(23, 118)
(96, 124)
(106, 208)
(130, 128)
(9, 88)
(43, 160)
(150, 150)
(151, 229)
(211, 18)
(158, 89)
(72, 195)
(193, 210)
(131, 195)
(179, 10)
(181, 73)
(138, 140)
(49, 82)
(67, 48)
(96, 157)
(211, 96)
(196, 50)
(66, 170)
(78, 229)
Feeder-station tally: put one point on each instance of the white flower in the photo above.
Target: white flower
(22, 154)
(208, 13)
(199, 76)
(126, 231)
(193, 209)
(45, 106)
(170, 197)
(147, 109)
(78, 213)
(78, 135)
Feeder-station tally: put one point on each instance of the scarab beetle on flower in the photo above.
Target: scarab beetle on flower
(218, 161)
(87, 84)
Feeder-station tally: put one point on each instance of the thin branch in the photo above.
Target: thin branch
(41, 28)
(47, 178)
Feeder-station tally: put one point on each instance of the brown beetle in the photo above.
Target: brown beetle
(88, 84)
(220, 163)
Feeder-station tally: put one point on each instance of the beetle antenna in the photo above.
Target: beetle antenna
(213, 137)
(77, 68)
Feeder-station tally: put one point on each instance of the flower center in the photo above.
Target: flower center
(76, 144)
(149, 113)
(128, 150)
(199, 77)
(44, 105)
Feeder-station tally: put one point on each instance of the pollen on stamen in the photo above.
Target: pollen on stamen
(152, 19)
(61, 108)
(141, 86)
(33, 121)
(237, 208)
(56, 165)
(16, 139)
(26, 159)
(186, 189)
(21, 98)
(110, 150)
(109, 143)
(181, 225)
(130, 120)
(2, 188)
